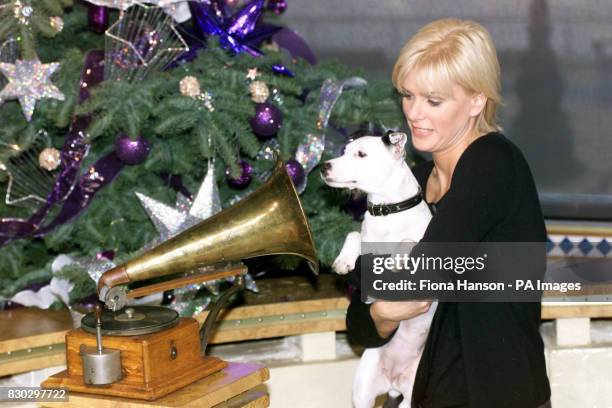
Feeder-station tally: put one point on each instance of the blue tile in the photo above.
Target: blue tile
(585, 246)
(604, 247)
(549, 245)
(566, 245)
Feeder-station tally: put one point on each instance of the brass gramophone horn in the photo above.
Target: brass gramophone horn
(270, 221)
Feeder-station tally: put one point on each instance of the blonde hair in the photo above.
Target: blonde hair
(452, 51)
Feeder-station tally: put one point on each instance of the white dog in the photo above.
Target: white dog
(376, 166)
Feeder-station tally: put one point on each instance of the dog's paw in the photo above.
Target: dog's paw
(343, 265)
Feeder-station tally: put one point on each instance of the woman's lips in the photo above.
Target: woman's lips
(421, 132)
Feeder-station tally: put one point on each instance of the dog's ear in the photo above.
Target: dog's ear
(397, 142)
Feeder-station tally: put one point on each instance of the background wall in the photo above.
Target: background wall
(557, 78)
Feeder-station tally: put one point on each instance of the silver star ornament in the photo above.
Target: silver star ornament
(170, 221)
(29, 81)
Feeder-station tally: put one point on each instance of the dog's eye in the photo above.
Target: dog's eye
(361, 154)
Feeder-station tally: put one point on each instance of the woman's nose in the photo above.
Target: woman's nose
(412, 110)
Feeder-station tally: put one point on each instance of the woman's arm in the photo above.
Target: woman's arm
(371, 325)
(388, 315)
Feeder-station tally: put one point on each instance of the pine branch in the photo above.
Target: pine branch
(247, 141)
(42, 24)
(178, 122)
(52, 7)
(203, 136)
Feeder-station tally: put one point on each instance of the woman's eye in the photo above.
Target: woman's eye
(434, 103)
(406, 96)
(361, 154)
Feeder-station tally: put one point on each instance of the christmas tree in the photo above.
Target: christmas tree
(116, 117)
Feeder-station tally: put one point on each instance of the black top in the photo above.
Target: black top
(478, 355)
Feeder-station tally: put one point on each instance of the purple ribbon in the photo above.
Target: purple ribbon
(75, 191)
(97, 176)
(293, 43)
(176, 182)
(98, 18)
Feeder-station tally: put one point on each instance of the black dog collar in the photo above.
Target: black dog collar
(386, 209)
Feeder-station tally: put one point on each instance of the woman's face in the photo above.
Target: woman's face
(438, 121)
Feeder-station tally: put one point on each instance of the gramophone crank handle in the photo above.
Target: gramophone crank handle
(211, 319)
(100, 365)
(98, 311)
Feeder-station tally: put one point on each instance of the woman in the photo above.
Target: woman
(480, 189)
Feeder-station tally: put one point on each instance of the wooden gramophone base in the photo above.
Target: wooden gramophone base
(237, 385)
(148, 391)
(153, 365)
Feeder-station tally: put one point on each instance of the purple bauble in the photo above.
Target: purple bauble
(267, 121)
(244, 178)
(295, 171)
(97, 18)
(110, 255)
(132, 151)
(277, 6)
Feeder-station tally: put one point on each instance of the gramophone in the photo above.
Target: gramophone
(147, 352)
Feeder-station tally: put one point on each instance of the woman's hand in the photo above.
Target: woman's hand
(388, 315)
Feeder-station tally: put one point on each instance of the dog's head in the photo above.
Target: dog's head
(367, 162)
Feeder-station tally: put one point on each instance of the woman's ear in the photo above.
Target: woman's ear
(479, 101)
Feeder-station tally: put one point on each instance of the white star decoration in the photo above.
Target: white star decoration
(29, 81)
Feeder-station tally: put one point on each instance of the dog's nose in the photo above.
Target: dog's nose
(325, 167)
